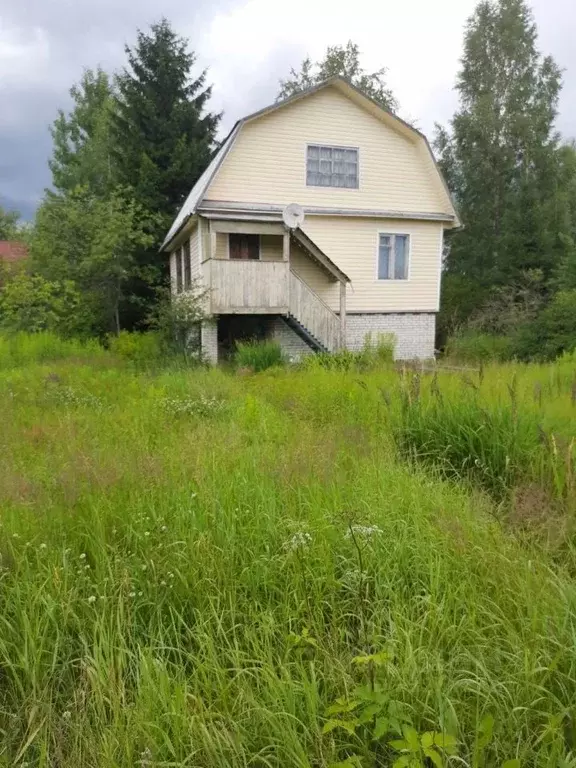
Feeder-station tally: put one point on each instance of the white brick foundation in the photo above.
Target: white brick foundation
(291, 344)
(414, 333)
(209, 341)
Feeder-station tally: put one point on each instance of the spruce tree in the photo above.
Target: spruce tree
(164, 134)
(501, 158)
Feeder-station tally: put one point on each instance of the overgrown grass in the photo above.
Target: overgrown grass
(258, 355)
(472, 346)
(22, 348)
(210, 570)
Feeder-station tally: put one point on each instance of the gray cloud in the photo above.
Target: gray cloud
(67, 36)
(45, 45)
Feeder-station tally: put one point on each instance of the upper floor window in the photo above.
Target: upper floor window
(393, 255)
(332, 166)
(244, 246)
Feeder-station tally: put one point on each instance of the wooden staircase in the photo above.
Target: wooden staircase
(311, 318)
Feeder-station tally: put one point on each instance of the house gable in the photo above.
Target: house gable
(267, 161)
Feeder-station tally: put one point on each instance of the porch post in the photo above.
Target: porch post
(286, 246)
(212, 242)
(343, 315)
(209, 340)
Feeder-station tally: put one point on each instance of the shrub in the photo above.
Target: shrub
(32, 304)
(258, 355)
(472, 346)
(552, 333)
(178, 319)
(139, 348)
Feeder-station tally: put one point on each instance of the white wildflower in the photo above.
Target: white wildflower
(43, 545)
(146, 533)
(132, 594)
(162, 583)
(363, 531)
(83, 556)
(145, 757)
(299, 540)
(15, 535)
(92, 599)
(164, 528)
(66, 715)
(143, 567)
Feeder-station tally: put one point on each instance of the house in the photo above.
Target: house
(367, 256)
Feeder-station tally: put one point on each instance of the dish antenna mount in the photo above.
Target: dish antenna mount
(293, 216)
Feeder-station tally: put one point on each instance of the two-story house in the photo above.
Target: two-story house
(367, 257)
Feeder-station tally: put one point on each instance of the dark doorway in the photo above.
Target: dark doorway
(235, 328)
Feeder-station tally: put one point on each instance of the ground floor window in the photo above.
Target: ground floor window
(393, 255)
(245, 247)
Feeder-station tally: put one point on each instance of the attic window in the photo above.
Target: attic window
(332, 166)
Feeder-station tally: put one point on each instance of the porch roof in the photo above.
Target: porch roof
(297, 235)
(308, 245)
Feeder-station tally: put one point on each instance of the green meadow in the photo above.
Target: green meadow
(305, 567)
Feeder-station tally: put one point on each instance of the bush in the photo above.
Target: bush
(552, 333)
(258, 355)
(31, 304)
(178, 319)
(472, 346)
(139, 348)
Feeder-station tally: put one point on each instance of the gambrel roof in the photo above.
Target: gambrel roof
(196, 196)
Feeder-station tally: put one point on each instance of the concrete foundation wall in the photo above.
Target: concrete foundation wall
(414, 333)
(292, 345)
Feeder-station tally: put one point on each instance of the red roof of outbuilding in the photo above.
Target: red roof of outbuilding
(11, 250)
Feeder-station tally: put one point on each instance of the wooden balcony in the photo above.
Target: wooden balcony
(249, 287)
(269, 286)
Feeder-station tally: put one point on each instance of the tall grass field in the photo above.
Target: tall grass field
(298, 568)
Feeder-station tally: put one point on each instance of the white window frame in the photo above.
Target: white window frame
(393, 236)
(253, 234)
(322, 145)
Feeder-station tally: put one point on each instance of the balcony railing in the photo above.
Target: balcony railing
(248, 287)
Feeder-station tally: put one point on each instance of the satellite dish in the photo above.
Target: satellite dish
(293, 216)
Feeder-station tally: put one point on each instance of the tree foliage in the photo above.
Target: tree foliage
(32, 304)
(341, 60)
(164, 135)
(125, 157)
(10, 228)
(93, 241)
(501, 156)
(82, 151)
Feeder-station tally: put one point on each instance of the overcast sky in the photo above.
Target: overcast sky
(247, 45)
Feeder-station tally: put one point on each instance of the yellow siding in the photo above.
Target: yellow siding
(314, 276)
(352, 243)
(267, 163)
